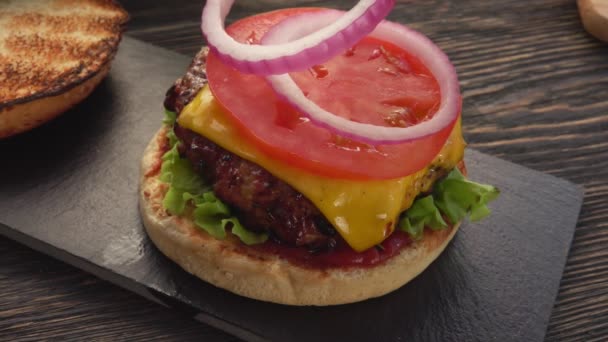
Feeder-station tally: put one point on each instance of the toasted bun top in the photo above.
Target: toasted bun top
(231, 265)
(50, 46)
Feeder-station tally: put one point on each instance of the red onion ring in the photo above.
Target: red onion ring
(292, 54)
(413, 42)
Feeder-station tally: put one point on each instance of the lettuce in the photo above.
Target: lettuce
(454, 198)
(169, 121)
(170, 118)
(186, 186)
(422, 213)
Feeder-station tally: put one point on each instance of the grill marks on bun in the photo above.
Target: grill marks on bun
(49, 47)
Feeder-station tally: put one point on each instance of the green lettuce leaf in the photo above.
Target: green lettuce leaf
(209, 213)
(170, 118)
(422, 213)
(455, 198)
(178, 172)
(175, 201)
(169, 121)
(186, 186)
(248, 237)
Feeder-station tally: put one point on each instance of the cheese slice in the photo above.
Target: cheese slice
(363, 212)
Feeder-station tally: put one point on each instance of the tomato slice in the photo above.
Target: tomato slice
(373, 82)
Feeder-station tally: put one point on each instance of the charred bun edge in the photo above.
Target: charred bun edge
(22, 117)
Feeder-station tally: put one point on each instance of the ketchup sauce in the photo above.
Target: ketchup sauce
(341, 256)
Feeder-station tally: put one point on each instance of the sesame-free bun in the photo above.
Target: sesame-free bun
(53, 53)
(229, 264)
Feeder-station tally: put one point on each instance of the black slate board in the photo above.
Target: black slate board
(69, 189)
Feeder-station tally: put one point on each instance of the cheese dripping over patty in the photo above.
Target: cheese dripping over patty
(363, 212)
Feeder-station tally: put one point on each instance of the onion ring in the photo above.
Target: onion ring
(415, 43)
(292, 54)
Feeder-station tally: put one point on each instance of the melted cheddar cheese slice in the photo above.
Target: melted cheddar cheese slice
(363, 212)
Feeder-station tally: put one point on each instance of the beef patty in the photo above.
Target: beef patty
(262, 202)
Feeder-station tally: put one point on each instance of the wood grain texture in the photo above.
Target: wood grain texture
(536, 88)
(45, 299)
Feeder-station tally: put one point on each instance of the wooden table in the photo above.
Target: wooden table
(536, 86)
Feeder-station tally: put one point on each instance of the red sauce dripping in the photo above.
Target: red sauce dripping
(342, 256)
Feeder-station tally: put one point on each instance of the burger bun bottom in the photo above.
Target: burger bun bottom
(230, 265)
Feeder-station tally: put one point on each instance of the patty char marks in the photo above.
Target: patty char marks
(261, 201)
(185, 88)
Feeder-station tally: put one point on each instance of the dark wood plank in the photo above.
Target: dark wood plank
(44, 299)
(539, 86)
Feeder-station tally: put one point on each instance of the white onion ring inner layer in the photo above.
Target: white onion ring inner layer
(292, 54)
(411, 41)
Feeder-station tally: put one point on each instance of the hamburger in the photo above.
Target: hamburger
(53, 54)
(244, 189)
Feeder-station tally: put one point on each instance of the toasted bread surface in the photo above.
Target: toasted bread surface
(49, 47)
